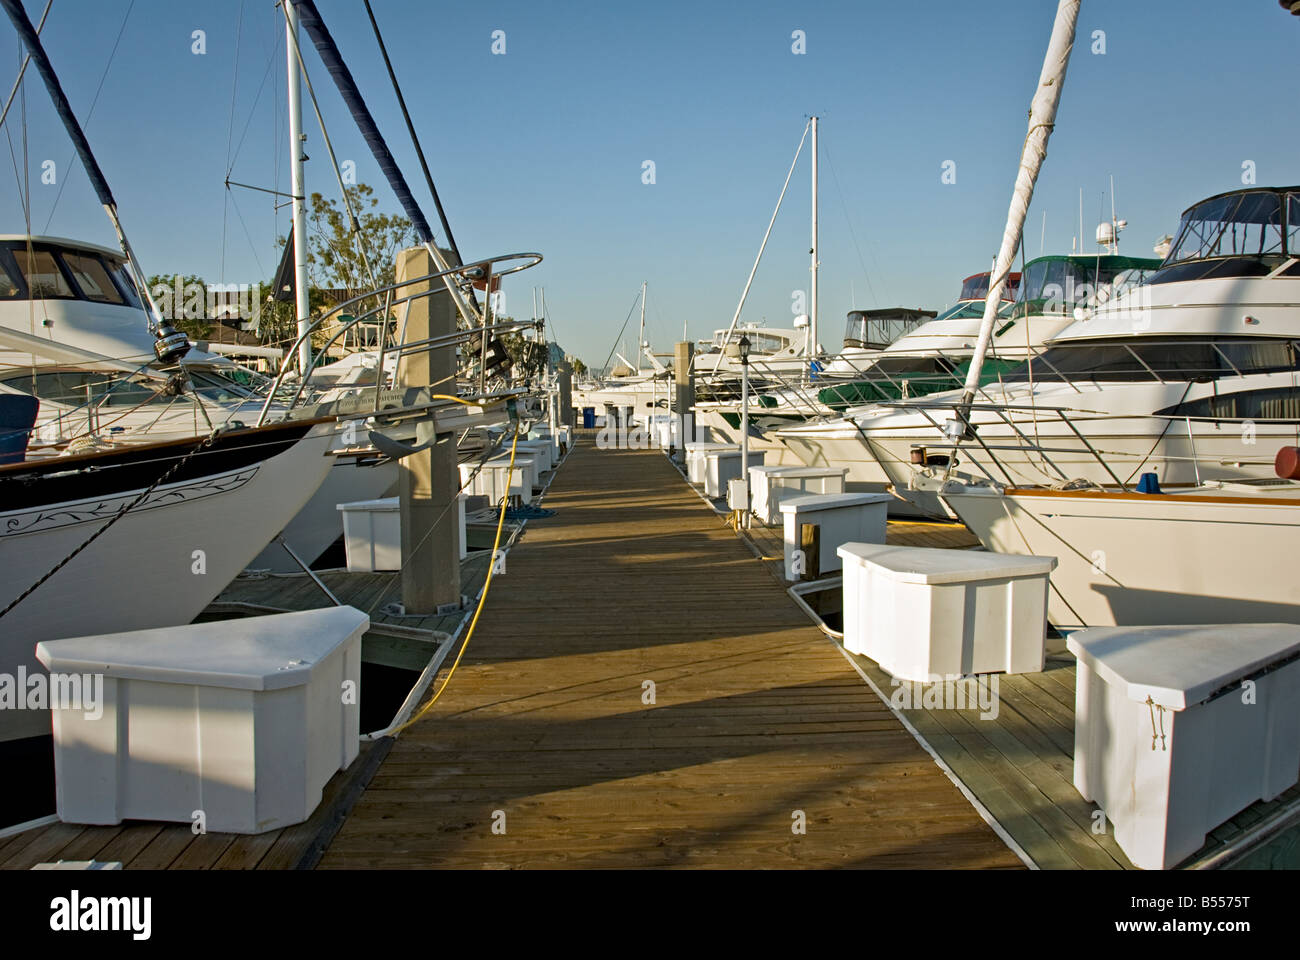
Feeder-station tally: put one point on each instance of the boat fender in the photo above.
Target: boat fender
(1287, 463)
(1149, 483)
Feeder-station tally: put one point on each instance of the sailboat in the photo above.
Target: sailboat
(148, 534)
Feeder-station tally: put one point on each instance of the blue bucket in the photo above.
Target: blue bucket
(17, 416)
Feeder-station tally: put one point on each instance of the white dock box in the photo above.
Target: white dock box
(695, 458)
(464, 528)
(245, 720)
(723, 466)
(372, 535)
(543, 431)
(769, 485)
(663, 430)
(1171, 741)
(542, 450)
(843, 518)
(924, 613)
(490, 481)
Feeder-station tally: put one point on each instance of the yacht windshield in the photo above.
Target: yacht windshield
(977, 287)
(212, 385)
(973, 310)
(1054, 286)
(76, 387)
(1239, 224)
(1176, 360)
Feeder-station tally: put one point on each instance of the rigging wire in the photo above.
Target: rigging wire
(353, 223)
(252, 246)
(232, 158)
(26, 58)
(844, 207)
(91, 112)
(635, 301)
(230, 131)
(415, 140)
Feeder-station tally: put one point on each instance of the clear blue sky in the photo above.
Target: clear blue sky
(542, 148)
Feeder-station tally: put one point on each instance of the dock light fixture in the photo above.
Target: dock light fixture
(743, 346)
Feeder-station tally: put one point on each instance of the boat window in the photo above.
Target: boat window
(1272, 403)
(92, 278)
(214, 386)
(124, 282)
(973, 310)
(1167, 360)
(42, 273)
(75, 387)
(10, 288)
(1240, 224)
(895, 365)
(1217, 269)
(1292, 223)
(977, 287)
(765, 343)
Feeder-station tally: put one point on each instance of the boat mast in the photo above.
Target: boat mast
(302, 294)
(811, 346)
(170, 345)
(640, 340)
(1042, 117)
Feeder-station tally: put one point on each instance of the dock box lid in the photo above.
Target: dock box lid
(1180, 666)
(776, 470)
(831, 501)
(254, 653)
(383, 505)
(934, 565)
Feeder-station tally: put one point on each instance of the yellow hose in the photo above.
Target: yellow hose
(496, 543)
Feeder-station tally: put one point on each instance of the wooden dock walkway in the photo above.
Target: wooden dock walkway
(641, 693)
(1019, 762)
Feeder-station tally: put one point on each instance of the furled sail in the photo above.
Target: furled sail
(27, 33)
(311, 21)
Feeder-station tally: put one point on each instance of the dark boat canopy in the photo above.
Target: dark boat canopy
(976, 286)
(877, 329)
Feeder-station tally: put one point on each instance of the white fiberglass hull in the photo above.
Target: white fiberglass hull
(161, 564)
(1114, 419)
(319, 523)
(1210, 555)
(775, 452)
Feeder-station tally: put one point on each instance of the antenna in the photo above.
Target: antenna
(1042, 240)
(1108, 233)
(1081, 219)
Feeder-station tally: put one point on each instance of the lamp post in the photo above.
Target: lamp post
(744, 423)
(739, 350)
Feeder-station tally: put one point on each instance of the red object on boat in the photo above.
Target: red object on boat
(1287, 463)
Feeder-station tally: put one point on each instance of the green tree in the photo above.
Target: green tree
(527, 357)
(579, 368)
(335, 250)
(182, 299)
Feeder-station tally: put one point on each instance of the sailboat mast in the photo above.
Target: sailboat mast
(170, 345)
(640, 340)
(1042, 117)
(302, 294)
(812, 300)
